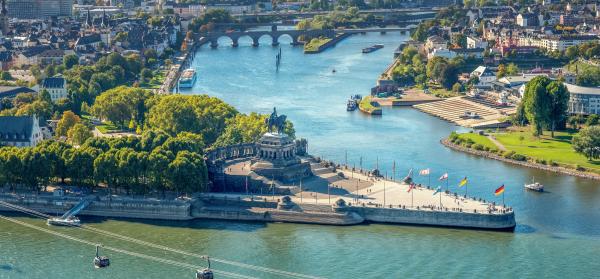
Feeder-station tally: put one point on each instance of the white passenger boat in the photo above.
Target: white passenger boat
(68, 222)
(187, 79)
(535, 186)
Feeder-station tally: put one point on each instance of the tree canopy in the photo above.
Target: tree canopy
(198, 114)
(545, 104)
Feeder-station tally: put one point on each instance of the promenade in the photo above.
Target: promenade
(358, 189)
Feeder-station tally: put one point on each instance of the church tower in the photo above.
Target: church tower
(4, 19)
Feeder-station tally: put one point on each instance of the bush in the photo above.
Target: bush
(494, 150)
(579, 168)
(468, 145)
(486, 148)
(508, 154)
(519, 157)
(477, 146)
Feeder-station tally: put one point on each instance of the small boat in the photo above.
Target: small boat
(206, 273)
(535, 186)
(351, 105)
(333, 71)
(100, 261)
(372, 48)
(187, 79)
(68, 222)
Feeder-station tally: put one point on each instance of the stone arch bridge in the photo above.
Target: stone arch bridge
(213, 37)
(275, 35)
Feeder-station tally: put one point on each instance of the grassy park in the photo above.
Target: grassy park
(368, 106)
(544, 150)
(313, 45)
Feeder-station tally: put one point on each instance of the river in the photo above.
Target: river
(557, 236)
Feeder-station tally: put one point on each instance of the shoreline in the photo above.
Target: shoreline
(486, 154)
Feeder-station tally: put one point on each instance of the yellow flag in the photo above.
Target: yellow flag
(463, 182)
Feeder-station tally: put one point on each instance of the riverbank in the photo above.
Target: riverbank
(487, 154)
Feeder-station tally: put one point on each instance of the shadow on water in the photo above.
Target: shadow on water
(9, 267)
(525, 229)
(201, 224)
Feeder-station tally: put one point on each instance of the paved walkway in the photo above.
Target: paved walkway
(496, 142)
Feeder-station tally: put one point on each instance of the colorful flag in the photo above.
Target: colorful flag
(439, 189)
(444, 176)
(410, 187)
(424, 172)
(463, 182)
(499, 191)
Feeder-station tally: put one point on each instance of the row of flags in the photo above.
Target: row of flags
(463, 182)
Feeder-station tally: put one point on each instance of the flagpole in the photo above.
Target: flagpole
(412, 197)
(384, 189)
(429, 178)
(447, 178)
(440, 193)
(300, 190)
(467, 188)
(328, 193)
(503, 204)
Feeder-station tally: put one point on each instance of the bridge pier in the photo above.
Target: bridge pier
(382, 32)
(234, 43)
(255, 42)
(214, 44)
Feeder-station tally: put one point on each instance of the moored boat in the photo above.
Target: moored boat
(68, 222)
(187, 79)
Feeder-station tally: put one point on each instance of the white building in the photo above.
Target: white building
(56, 86)
(441, 52)
(583, 100)
(20, 131)
(474, 42)
(485, 75)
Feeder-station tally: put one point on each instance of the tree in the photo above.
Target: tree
(592, 120)
(69, 61)
(121, 104)
(536, 102)
(79, 133)
(587, 142)
(198, 114)
(66, 122)
(559, 104)
(545, 104)
(449, 75)
(4, 75)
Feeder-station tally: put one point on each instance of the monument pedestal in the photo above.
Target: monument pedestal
(276, 158)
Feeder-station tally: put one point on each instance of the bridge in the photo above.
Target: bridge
(295, 35)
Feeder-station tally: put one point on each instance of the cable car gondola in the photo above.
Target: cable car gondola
(100, 261)
(205, 273)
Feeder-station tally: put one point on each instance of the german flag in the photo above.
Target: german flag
(499, 191)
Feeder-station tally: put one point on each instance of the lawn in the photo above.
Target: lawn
(108, 127)
(477, 138)
(366, 105)
(441, 92)
(557, 149)
(315, 43)
(156, 81)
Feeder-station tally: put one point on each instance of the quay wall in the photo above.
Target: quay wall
(242, 210)
(504, 221)
(139, 209)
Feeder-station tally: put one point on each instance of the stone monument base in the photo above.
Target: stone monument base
(284, 173)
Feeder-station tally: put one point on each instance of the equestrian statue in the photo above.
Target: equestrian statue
(275, 123)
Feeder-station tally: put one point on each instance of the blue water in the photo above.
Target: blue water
(557, 236)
